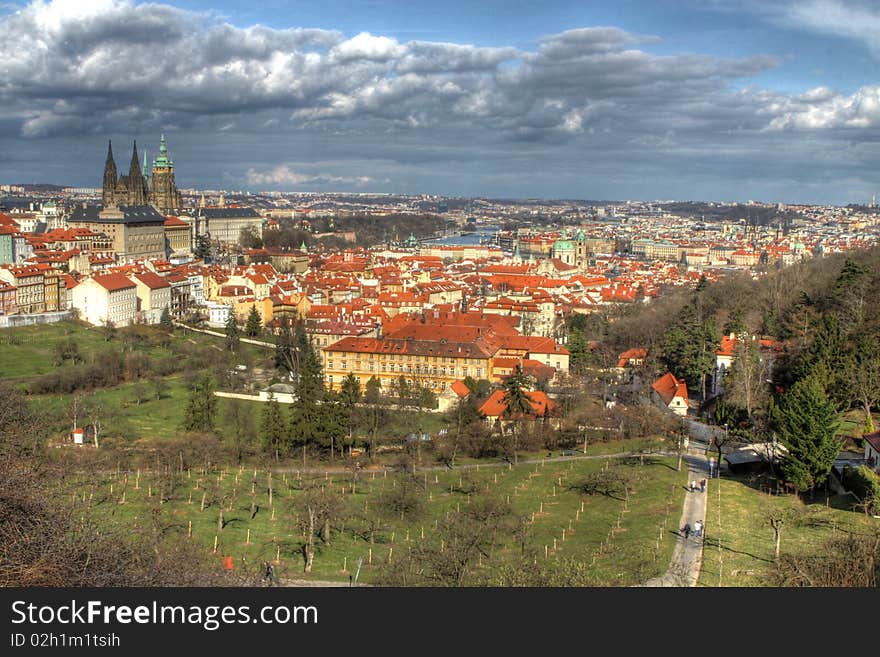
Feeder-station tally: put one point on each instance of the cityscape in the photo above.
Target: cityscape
(319, 305)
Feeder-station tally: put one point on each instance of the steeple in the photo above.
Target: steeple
(108, 195)
(144, 170)
(162, 160)
(136, 187)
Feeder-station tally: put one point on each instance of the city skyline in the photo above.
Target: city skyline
(692, 100)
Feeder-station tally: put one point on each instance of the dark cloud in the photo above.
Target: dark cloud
(260, 105)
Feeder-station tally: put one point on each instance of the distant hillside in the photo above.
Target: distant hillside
(763, 215)
(40, 187)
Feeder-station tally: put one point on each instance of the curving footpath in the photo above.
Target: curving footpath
(687, 557)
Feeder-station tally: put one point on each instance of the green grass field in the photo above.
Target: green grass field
(747, 542)
(621, 543)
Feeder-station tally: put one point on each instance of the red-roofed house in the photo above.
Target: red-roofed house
(632, 358)
(154, 295)
(495, 407)
(672, 393)
(106, 297)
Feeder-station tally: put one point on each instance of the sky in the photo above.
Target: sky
(730, 100)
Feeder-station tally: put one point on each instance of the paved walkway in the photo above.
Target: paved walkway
(687, 557)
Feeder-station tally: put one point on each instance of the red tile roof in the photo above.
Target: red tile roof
(113, 282)
(495, 405)
(668, 387)
(151, 280)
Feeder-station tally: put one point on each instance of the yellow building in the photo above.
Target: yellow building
(425, 363)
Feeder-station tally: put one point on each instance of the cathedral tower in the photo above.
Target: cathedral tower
(108, 193)
(164, 194)
(137, 192)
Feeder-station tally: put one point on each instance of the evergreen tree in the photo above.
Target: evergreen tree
(376, 411)
(254, 325)
(232, 334)
(310, 377)
(516, 394)
(806, 423)
(201, 409)
(284, 351)
(579, 348)
(202, 248)
(273, 432)
(689, 347)
(165, 319)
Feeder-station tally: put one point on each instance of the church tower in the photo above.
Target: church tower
(164, 194)
(108, 193)
(136, 185)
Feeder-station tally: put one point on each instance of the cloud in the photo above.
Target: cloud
(593, 103)
(283, 176)
(822, 108)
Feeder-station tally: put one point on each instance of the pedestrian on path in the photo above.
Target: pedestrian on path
(703, 485)
(687, 530)
(698, 528)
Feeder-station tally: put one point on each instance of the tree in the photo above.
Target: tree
(232, 333)
(254, 326)
(238, 427)
(689, 347)
(285, 355)
(160, 386)
(201, 408)
(109, 329)
(866, 381)
(273, 432)
(746, 385)
(202, 249)
(315, 510)
(579, 348)
(349, 397)
(376, 410)
(777, 517)
(249, 239)
(165, 319)
(517, 403)
(310, 378)
(806, 423)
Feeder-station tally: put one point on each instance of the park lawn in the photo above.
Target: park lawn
(129, 421)
(746, 553)
(28, 351)
(631, 554)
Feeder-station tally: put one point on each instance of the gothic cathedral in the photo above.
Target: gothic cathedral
(139, 187)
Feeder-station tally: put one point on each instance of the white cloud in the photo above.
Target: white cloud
(283, 176)
(821, 108)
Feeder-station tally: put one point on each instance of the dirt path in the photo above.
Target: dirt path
(687, 557)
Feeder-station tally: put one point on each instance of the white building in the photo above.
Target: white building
(106, 297)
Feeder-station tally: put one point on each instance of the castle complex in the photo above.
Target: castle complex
(139, 187)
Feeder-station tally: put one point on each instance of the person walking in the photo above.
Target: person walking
(698, 528)
(703, 485)
(687, 530)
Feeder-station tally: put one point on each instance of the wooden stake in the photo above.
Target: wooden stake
(215, 543)
(189, 529)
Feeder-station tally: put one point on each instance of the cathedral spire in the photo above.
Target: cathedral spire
(137, 193)
(108, 193)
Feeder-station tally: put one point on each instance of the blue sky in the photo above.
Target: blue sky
(693, 99)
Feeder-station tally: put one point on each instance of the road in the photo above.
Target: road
(687, 557)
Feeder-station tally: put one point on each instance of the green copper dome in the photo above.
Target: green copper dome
(162, 160)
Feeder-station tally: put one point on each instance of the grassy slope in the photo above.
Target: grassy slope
(631, 554)
(747, 541)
